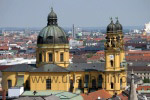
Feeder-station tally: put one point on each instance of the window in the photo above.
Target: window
(40, 57)
(120, 83)
(71, 86)
(86, 81)
(112, 63)
(27, 85)
(49, 39)
(61, 57)
(50, 57)
(9, 83)
(112, 85)
(80, 84)
(48, 84)
(93, 83)
(100, 81)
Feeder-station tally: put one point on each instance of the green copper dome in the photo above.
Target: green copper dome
(52, 33)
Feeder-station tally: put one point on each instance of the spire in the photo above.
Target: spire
(51, 9)
(117, 22)
(132, 93)
(118, 25)
(52, 18)
(111, 20)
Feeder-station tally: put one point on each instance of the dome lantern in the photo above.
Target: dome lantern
(52, 18)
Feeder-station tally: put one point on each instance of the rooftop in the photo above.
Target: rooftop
(61, 94)
(103, 94)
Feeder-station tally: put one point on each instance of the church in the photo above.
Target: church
(53, 71)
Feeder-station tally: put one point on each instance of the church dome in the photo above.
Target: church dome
(118, 26)
(52, 33)
(111, 28)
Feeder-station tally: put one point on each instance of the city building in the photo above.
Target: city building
(54, 72)
(147, 28)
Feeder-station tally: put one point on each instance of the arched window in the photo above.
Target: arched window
(93, 83)
(86, 81)
(121, 83)
(61, 57)
(27, 85)
(48, 83)
(100, 80)
(50, 57)
(112, 85)
(80, 84)
(9, 84)
(112, 63)
(40, 57)
(71, 86)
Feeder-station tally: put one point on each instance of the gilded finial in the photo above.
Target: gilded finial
(117, 20)
(51, 8)
(111, 19)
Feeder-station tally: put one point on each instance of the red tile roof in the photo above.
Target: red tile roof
(94, 95)
(143, 88)
(4, 48)
(123, 97)
(100, 52)
(95, 57)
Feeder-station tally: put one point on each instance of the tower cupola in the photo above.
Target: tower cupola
(111, 28)
(118, 25)
(52, 18)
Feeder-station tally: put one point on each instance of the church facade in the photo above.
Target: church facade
(54, 72)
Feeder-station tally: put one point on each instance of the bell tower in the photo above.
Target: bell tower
(114, 55)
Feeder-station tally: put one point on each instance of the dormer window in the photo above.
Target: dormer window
(49, 39)
(61, 38)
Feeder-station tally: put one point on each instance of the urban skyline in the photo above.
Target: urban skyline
(74, 50)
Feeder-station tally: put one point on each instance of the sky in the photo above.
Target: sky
(81, 13)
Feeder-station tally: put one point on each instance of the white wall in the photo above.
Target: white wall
(15, 91)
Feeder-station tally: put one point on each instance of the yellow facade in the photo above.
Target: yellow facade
(58, 81)
(13, 77)
(111, 77)
(116, 74)
(56, 50)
